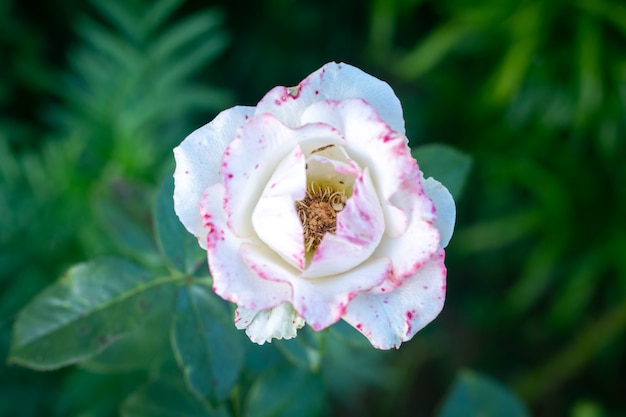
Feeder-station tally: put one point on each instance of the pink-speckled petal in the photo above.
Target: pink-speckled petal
(251, 158)
(360, 227)
(389, 319)
(372, 143)
(445, 207)
(233, 280)
(340, 174)
(280, 322)
(335, 82)
(275, 218)
(320, 302)
(410, 238)
(419, 242)
(198, 162)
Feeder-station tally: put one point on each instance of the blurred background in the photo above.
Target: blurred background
(95, 94)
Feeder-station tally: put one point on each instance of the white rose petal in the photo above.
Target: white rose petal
(389, 319)
(281, 322)
(203, 148)
(444, 206)
(312, 209)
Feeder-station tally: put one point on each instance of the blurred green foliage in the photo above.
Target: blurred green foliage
(94, 95)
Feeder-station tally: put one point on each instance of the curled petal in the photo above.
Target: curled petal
(409, 251)
(360, 227)
(445, 207)
(198, 162)
(410, 238)
(389, 319)
(335, 82)
(251, 158)
(275, 219)
(280, 322)
(371, 143)
(340, 174)
(233, 280)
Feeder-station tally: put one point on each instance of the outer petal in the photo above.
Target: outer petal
(444, 205)
(280, 322)
(198, 162)
(320, 302)
(360, 227)
(250, 160)
(387, 320)
(275, 219)
(233, 280)
(323, 301)
(420, 240)
(336, 82)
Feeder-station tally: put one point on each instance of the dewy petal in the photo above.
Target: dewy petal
(233, 280)
(389, 319)
(280, 322)
(335, 82)
(275, 218)
(251, 158)
(445, 207)
(360, 226)
(198, 162)
(320, 302)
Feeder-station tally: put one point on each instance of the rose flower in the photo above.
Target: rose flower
(312, 209)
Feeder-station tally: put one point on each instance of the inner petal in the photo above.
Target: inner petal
(274, 218)
(331, 166)
(330, 177)
(358, 229)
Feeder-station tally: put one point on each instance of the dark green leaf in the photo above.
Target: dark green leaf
(446, 164)
(84, 312)
(130, 238)
(166, 398)
(142, 347)
(178, 245)
(206, 343)
(476, 395)
(286, 392)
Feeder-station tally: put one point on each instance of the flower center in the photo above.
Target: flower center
(318, 213)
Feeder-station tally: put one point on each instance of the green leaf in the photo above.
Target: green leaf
(206, 343)
(446, 164)
(286, 392)
(476, 395)
(84, 312)
(166, 398)
(178, 245)
(129, 237)
(143, 347)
